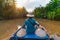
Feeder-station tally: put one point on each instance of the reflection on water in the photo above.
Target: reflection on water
(8, 27)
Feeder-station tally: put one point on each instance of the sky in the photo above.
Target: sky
(30, 5)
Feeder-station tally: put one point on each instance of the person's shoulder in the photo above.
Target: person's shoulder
(33, 19)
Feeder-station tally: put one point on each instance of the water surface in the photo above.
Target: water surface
(8, 27)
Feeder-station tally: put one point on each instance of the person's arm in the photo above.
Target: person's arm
(43, 28)
(36, 25)
(23, 26)
(35, 22)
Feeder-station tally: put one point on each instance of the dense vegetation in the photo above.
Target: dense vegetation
(9, 11)
(51, 11)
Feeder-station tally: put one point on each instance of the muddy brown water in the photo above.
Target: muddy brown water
(8, 27)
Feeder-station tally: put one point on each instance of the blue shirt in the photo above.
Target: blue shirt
(30, 23)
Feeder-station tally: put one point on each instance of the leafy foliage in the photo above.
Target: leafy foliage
(51, 11)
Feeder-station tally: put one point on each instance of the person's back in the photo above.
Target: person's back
(30, 23)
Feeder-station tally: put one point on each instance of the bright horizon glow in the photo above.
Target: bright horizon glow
(19, 4)
(30, 5)
(30, 10)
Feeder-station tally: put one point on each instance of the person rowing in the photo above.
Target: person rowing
(33, 27)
